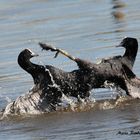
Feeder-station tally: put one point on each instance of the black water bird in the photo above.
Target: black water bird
(90, 75)
(131, 46)
(41, 97)
(50, 83)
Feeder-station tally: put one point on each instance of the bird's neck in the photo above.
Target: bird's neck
(26, 64)
(36, 71)
(130, 54)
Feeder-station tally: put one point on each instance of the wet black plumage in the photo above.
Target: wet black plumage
(41, 76)
(89, 75)
(50, 83)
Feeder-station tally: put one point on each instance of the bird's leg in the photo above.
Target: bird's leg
(54, 49)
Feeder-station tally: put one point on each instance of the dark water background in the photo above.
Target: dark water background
(87, 29)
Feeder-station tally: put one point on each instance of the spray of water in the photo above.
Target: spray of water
(134, 91)
(33, 103)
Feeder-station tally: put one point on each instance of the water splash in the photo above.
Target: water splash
(134, 91)
(113, 87)
(33, 103)
(68, 102)
(71, 104)
(91, 104)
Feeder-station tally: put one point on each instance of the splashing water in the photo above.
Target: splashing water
(134, 91)
(68, 104)
(114, 88)
(32, 103)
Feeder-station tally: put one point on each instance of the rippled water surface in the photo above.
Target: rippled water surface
(87, 29)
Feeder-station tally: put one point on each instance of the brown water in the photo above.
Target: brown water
(87, 29)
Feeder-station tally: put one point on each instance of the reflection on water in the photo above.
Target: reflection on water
(117, 12)
(86, 29)
(119, 15)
